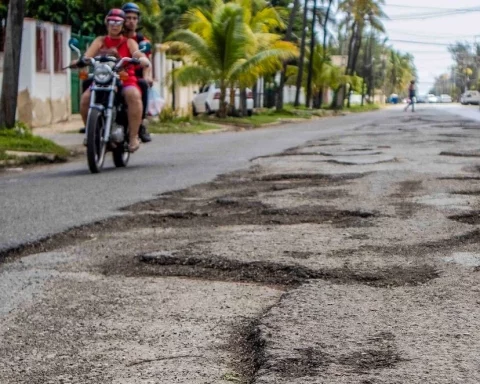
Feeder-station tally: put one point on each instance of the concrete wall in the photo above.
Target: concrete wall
(162, 82)
(43, 97)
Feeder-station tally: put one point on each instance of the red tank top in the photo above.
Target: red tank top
(121, 46)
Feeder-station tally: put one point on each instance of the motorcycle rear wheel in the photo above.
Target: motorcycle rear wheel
(120, 156)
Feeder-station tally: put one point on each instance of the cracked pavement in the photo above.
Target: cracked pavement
(351, 258)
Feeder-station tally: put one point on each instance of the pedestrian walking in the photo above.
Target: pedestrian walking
(411, 96)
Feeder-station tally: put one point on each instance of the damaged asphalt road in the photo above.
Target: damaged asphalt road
(351, 258)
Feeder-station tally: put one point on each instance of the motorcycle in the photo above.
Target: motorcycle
(106, 128)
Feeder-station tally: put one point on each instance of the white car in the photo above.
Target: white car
(470, 97)
(207, 100)
(432, 98)
(445, 98)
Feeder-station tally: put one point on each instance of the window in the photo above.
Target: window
(58, 47)
(42, 64)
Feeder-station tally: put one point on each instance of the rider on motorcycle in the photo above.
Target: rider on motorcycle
(144, 75)
(124, 47)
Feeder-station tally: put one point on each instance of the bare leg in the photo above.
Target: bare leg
(133, 98)
(84, 104)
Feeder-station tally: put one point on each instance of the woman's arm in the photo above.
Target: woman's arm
(90, 52)
(94, 47)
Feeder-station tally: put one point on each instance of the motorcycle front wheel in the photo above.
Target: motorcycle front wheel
(96, 146)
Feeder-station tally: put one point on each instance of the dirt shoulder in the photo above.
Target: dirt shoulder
(345, 260)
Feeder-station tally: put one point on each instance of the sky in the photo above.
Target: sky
(432, 58)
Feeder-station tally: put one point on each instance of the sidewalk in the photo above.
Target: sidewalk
(64, 133)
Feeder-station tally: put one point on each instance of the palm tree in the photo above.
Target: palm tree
(302, 55)
(312, 49)
(221, 46)
(361, 14)
(263, 20)
(327, 19)
(400, 70)
(325, 75)
(288, 38)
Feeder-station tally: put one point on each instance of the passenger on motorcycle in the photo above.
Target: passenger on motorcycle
(144, 75)
(114, 41)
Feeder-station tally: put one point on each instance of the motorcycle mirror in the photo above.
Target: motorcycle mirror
(74, 45)
(145, 47)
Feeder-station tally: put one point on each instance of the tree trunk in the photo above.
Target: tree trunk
(302, 56)
(11, 63)
(320, 97)
(327, 16)
(288, 37)
(222, 108)
(310, 62)
(173, 87)
(350, 48)
(254, 94)
(232, 110)
(243, 101)
(319, 101)
(356, 48)
(372, 69)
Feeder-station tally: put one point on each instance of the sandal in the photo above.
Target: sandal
(134, 145)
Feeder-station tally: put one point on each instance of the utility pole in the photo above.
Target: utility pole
(11, 63)
(173, 87)
(302, 56)
(288, 37)
(312, 53)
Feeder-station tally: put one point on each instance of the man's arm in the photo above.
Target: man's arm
(147, 75)
(137, 54)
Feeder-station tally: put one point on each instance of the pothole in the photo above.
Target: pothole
(213, 267)
(362, 161)
(455, 135)
(371, 359)
(224, 201)
(460, 154)
(459, 178)
(407, 188)
(310, 176)
(299, 254)
(472, 218)
(468, 193)
(305, 362)
(379, 352)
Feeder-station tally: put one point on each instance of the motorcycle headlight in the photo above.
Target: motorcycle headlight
(102, 73)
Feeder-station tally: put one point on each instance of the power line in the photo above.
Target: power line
(419, 42)
(429, 15)
(439, 54)
(419, 34)
(410, 7)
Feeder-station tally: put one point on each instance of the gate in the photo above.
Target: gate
(75, 86)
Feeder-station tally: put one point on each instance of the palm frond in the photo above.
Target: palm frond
(193, 74)
(197, 47)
